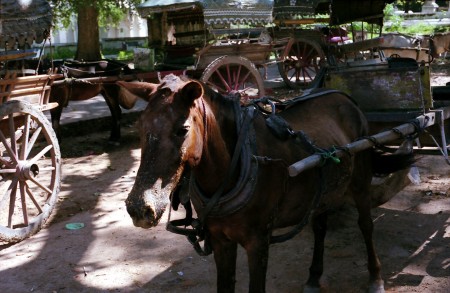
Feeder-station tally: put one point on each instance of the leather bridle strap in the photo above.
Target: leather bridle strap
(245, 125)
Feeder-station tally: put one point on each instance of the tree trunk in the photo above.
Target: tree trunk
(88, 48)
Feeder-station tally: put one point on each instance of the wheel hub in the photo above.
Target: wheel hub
(26, 170)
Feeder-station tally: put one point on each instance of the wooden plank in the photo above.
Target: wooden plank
(33, 89)
(301, 21)
(381, 88)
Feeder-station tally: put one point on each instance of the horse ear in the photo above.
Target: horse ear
(142, 90)
(192, 91)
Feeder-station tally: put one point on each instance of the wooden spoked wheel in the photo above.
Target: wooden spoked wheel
(300, 62)
(231, 74)
(30, 170)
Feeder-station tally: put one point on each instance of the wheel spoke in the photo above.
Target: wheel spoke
(216, 86)
(46, 189)
(24, 202)
(33, 199)
(246, 77)
(12, 131)
(26, 133)
(40, 154)
(8, 148)
(224, 81)
(33, 140)
(12, 190)
(310, 53)
(237, 83)
(47, 169)
(229, 80)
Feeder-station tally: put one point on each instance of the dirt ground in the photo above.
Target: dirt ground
(412, 235)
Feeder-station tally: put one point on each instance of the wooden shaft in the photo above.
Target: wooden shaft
(423, 121)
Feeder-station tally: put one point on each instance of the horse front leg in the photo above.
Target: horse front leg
(55, 115)
(319, 225)
(110, 94)
(258, 256)
(60, 95)
(225, 253)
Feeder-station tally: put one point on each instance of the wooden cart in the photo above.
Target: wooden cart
(30, 159)
(226, 43)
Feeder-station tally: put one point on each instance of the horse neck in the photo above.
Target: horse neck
(219, 143)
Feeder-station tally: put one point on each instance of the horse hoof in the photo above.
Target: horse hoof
(376, 287)
(310, 289)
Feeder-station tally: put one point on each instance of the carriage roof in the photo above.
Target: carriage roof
(262, 11)
(24, 18)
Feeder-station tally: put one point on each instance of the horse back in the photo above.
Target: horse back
(329, 120)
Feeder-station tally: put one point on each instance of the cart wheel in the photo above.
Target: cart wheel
(228, 74)
(30, 170)
(395, 56)
(300, 62)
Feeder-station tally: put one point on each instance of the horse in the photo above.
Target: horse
(80, 89)
(231, 162)
(70, 89)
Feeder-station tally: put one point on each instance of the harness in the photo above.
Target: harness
(220, 204)
(210, 206)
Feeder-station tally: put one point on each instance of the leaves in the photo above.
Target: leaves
(110, 11)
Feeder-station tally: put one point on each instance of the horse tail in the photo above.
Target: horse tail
(384, 163)
(390, 173)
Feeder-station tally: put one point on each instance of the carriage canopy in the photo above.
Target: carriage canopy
(216, 12)
(262, 11)
(24, 20)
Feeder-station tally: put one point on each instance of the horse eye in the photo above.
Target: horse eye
(182, 131)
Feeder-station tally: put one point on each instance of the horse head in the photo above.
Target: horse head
(171, 133)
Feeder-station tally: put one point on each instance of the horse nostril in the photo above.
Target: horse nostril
(148, 214)
(132, 212)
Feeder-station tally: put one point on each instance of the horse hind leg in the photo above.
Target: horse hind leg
(319, 225)
(376, 283)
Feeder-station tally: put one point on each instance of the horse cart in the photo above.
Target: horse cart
(30, 159)
(226, 43)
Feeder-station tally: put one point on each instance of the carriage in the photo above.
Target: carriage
(313, 43)
(211, 38)
(30, 158)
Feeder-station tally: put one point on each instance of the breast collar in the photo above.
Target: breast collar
(235, 199)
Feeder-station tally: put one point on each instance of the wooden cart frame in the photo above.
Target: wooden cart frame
(30, 159)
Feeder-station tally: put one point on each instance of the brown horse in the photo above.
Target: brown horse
(239, 183)
(79, 87)
(71, 89)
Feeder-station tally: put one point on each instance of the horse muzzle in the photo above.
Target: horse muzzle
(145, 213)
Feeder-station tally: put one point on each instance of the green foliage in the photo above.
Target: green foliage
(111, 11)
(395, 19)
(413, 5)
(397, 22)
(125, 55)
(61, 53)
(121, 55)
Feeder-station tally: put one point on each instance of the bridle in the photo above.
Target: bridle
(196, 234)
